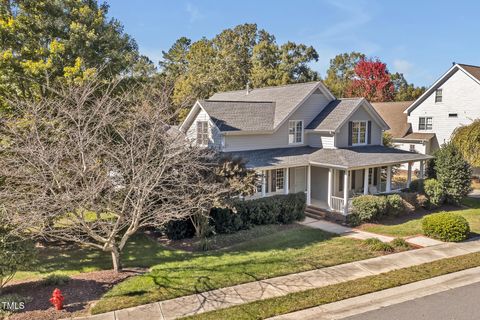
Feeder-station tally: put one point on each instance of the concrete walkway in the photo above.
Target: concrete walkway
(279, 286)
(385, 298)
(331, 227)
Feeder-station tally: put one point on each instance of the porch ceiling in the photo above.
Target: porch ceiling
(344, 158)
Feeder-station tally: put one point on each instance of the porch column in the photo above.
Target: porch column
(422, 169)
(264, 183)
(309, 185)
(286, 182)
(345, 192)
(409, 174)
(329, 187)
(389, 179)
(365, 181)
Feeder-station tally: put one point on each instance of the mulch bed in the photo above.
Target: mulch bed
(80, 293)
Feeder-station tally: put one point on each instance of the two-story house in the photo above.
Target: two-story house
(428, 122)
(301, 139)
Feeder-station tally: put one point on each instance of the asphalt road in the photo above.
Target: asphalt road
(456, 304)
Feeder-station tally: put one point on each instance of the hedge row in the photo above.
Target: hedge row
(369, 207)
(279, 209)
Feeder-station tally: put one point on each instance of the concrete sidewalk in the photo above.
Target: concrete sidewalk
(331, 227)
(377, 300)
(279, 286)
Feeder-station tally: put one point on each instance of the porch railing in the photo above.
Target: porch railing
(337, 204)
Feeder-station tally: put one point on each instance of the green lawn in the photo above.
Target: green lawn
(139, 252)
(398, 228)
(262, 257)
(296, 301)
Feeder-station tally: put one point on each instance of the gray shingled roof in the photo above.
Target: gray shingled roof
(286, 97)
(240, 115)
(332, 116)
(346, 158)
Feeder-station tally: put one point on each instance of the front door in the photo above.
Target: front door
(300, 184)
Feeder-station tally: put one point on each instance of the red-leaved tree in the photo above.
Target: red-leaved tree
(372, 81)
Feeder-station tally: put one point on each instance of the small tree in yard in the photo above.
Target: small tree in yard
(93, 167)
(453, 173)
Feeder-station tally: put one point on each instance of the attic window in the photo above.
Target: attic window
(202, 133)
(438, 95)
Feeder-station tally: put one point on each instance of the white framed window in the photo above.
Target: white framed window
(280, 180)
(295, 132)
(412, 148)
(359, 133)
(425, 123)
(202, 133)
(438, 95)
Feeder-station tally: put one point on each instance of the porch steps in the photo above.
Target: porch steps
(315, 212)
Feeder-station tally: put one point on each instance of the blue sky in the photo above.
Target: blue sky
(419, 38)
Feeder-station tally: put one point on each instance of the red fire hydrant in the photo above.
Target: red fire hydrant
(57, 299)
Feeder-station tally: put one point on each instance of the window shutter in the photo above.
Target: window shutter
(353, 179)
(274, 180)
(350, 131)
(375, 172)
(369, 131)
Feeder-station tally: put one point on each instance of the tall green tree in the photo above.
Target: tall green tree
(467, 140)
(233, 58)
(341, 72)
(50, 41)
(405, 91)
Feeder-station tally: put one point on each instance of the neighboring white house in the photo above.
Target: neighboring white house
(428, 122)
(301, 139)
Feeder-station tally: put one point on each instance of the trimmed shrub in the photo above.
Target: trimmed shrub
(369, 207)
(400, 244)
(224, 220)
(446, 226)
(395, 205)
(179, 229)
(416, 186)
(453, 173)
(434, 192)
(365, 207)
(277, 209)
(56, 280)
(353, 220)
(375, 244)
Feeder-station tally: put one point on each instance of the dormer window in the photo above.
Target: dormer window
(359, 133)
(438, 95)
(295, 132)
(202, 133)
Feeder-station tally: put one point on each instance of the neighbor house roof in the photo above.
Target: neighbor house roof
(240, 115)
(394, 116)
(287, 98)
(470, 70)
(344, 158)
(421, 136)
(337, 112)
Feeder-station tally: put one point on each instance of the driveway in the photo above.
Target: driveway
(455, 304)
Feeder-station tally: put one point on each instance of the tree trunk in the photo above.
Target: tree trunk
(117, 265)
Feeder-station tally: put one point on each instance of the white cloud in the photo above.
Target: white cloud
(193, 12)
(402, 66)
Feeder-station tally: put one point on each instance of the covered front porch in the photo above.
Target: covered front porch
(331, 188)
(330, 178)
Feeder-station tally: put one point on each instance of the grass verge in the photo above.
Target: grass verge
(307, 299)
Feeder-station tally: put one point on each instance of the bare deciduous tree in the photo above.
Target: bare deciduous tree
(94, 167)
